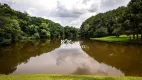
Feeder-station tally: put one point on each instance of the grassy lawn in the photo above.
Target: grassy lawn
(122, 38)
(63, 77)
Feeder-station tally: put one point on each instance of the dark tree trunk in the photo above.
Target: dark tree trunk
(117, 36)
(130, 37)
(141, 33)
(137, 38)
(133, 36)
(141, 36)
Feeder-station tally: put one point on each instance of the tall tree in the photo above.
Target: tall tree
(135, 10)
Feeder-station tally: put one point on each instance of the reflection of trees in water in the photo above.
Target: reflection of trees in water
(125, 57)
(13, 55)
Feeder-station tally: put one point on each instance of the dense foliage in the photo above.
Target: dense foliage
(17, 26)
(123, 20)
(71, 32)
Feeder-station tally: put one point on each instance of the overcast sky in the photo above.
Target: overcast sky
(65, 12)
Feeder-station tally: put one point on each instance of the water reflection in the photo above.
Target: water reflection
(66, 60)
(15, 54)
(125, 57)
(52, 57)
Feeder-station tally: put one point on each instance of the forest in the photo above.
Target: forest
(16, 26)
(121, 21)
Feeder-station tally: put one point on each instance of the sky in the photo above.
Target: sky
(65, 12)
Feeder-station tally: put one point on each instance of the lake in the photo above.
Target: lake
(83, 57)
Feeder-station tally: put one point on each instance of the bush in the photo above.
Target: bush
(6, 41)
(101, 32)
(36, 36)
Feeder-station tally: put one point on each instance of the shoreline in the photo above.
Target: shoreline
(65, 77)
(112, 39)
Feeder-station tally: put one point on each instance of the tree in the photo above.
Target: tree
(33, 29)
(56, 30)
(135, 10)
(16, 26)
(10, 31)
(104, 24)
(44, 31)
(140, 25)
(118, 30)
(101, 32)
(70, 32)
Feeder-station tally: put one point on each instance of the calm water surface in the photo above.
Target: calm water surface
(83, 58)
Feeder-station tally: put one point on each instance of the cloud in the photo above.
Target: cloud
(112, 4)
(63, 11)
(32, 11)
(66, 12)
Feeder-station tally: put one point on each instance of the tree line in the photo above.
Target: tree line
(16, 26)
(123, 20)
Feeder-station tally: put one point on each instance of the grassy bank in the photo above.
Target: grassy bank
(122, 38)
(63, 77)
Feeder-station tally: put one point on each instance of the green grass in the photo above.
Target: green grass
(63, 77)
(122, 38)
